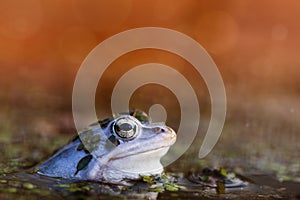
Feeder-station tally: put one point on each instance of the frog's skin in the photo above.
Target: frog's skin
(117, 154)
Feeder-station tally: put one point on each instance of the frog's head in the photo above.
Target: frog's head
(134, 147)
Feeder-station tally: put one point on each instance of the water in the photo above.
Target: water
(260, 143)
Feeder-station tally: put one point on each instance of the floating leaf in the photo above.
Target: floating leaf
(148, 179)
(220, 187)
(156, 189)
(75, 187)
(171, 187)
(11, 190)
(223, 172)
(28, 186)
(162, 183)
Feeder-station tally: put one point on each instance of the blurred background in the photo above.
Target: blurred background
(255, 45)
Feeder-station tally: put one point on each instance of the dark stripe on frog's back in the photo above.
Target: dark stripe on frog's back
(83, 163)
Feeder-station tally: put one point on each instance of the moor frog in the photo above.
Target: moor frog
(114, 150)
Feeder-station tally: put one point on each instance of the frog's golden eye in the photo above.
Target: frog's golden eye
(124, 128)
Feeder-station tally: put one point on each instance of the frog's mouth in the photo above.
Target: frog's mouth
(155, 144)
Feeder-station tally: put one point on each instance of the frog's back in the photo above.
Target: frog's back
(64, 163)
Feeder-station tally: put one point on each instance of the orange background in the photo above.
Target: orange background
(255, 44)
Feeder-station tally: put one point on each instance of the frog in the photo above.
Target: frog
(116, 150)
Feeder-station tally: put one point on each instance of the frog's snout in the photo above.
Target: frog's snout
(171, 132)
(166, 132)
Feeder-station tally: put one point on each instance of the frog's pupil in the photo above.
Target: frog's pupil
(125, 127)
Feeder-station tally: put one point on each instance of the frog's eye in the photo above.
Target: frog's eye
(124, 128)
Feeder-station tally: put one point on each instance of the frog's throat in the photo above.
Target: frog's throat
(129, 167)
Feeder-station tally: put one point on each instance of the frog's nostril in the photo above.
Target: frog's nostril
(160, 130)
(156, 130)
